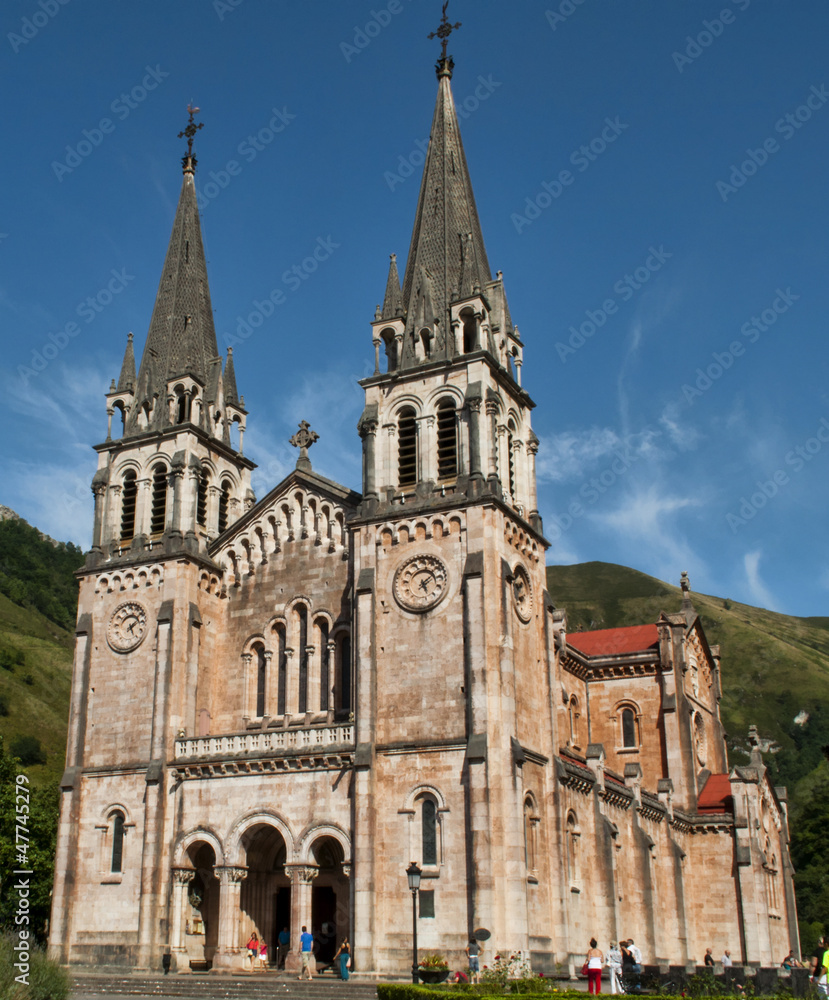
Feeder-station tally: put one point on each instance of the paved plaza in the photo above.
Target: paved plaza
(206, 986)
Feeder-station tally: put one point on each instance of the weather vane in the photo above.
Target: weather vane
(445, 30)
(191, 129)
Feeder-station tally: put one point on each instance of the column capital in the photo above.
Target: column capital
(230, 874)
(346, 869)
(183, 876)
(302, 874)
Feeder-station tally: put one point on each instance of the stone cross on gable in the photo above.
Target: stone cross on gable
(303, 439)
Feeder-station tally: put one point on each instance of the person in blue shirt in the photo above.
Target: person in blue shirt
(306, 944)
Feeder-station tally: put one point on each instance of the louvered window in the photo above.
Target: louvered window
(128, 496)
(201, 500)
(511, 457)
(224, 501)
(447, 440)
(158, 514)
(407, 448)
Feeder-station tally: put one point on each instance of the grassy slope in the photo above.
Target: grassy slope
(40, 709)
(773, 665)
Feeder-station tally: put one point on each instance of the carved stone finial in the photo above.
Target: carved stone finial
(684, 582)
(303, 439)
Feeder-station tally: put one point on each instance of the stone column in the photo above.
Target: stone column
(492, 451)
(248, 700)
(532, 451)
(176, 481)
(368, 431)
(271, 686)
(291, 684)
(212, 518)
(312, 697)
(182, 877)
(113, 515)
(331, 694)
(474, 406)
(428, 445)
(143, 491)
(98, 491)
(230, 953)
(301, 877)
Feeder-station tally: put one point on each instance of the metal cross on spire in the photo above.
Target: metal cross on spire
(191, 129)
(445, 30)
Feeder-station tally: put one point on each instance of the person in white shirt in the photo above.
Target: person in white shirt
(726, 959)
(614, 964)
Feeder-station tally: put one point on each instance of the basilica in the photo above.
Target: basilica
(278, 704)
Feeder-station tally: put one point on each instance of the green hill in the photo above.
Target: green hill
(775, 675)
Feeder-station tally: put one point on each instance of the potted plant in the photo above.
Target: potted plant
(433, 969)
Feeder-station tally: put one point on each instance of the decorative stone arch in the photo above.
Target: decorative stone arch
(199, 834)
(256, 817)
(430, 403)
(113, 828)
(316, 831)
(128, 464)
(401, 402)
(628, 727)
(532, 822)
(426, 827)
(273, 623)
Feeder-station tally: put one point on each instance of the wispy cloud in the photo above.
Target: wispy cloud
(762, 595)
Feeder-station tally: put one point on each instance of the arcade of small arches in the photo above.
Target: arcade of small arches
(389, 535)
(294, 518)
(298, 667)
(261, 878)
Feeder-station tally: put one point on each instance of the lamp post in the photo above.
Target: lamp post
(413, 874)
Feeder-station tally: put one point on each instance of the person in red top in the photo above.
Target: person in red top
(253, 949)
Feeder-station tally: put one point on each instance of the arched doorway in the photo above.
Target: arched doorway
(330, 899)
(197, 909)
(265, 900)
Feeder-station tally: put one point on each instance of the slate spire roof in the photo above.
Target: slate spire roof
(393, 299)
(447, 258)
(181, 339)
(229, 381)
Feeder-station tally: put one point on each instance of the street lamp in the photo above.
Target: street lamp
(413, 874)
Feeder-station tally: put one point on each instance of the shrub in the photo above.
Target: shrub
(4, 705)
(47, 980)
(28, 750)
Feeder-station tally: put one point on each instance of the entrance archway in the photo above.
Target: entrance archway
(265, 900)
(197, 909)
(330, 899)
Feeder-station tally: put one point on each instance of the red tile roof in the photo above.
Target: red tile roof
(716, 795)
(611, 641)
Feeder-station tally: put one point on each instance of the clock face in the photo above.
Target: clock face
(127, 627)
(420, 583)
(522, 593)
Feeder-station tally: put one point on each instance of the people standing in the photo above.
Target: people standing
(709, 958)
(820, 965)
(726, 959)
(595, 961)
(614, 964)
(283, 944)
(253, 949)
(473, 952)
(306, 944)
(263, 955)
(342, 957)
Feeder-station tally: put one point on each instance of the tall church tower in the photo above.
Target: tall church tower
(172, 482)
(453, 644)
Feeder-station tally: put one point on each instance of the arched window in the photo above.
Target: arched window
(391, 350)
(261, 679)
(629, 728)
(429, 830)
(128, 495)
(511, 456)
(470, 333)
(530, 837)
(447, 440)
(573, 711)
(158, 512)
(282, 671)
(426, 340)
(406, 448)
(116, 863)
(201, 499)
(573, 836)
(325, 665)
(182, 405)
(302, 622)
(224, 501)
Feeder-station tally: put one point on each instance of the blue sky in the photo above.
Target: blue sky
(651, 179)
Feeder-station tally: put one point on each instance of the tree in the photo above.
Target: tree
(28, 750)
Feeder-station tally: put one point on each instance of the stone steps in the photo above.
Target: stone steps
(207, 986)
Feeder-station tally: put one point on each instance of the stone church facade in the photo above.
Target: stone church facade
(277, 705)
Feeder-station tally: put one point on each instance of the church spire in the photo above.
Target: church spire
(447, 259)
(231, 394)
(181, 342)
(393, 300)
